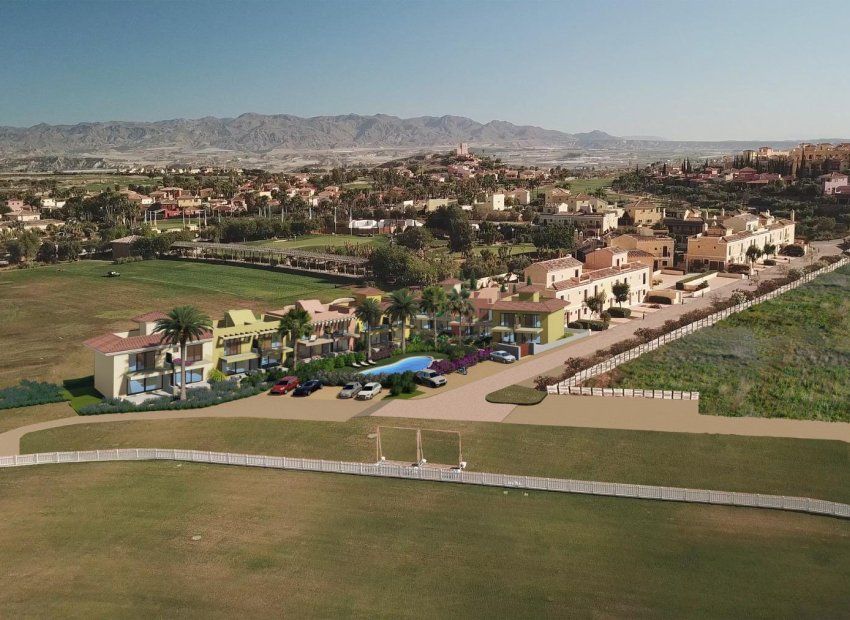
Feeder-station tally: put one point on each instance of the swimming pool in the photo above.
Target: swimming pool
(413, 364)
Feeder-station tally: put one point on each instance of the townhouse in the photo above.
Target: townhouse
(137, 361)
(660, 247)
(725, 242)
(335, 328)
(243, 341)
(573, 282)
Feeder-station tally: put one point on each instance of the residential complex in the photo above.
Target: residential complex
(726, 240)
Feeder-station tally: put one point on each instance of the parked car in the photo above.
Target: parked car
(502, 356)
(284, 385)
(369, 391)
(350, 390)
(429, 377)
(307, 388)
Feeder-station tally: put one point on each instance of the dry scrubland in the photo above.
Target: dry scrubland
(788, 357)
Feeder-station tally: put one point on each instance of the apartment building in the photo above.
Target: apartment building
(642, 212)
(660, 247)
(334, 327)
(726, 241)
(137, 361)
(573, 282)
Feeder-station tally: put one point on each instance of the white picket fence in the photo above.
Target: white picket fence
(630, 393)
(611, 363)
(390, 470)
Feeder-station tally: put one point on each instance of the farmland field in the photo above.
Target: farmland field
(819, 469)
(787, 358)
(49, 311)
(158, 539)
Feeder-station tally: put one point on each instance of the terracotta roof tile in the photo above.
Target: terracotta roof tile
(111, 343)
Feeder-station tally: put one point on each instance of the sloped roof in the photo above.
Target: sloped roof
(558, 263)
(112, 343)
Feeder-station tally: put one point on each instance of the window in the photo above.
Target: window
(232, 346)
(142, 361)
(193, 375)
(149, 384)
(194, 353)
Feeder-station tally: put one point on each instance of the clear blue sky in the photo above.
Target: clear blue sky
(682, 69)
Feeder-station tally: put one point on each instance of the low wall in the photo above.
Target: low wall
(630, 393)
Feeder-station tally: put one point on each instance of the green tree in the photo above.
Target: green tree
(415, 238)
(433, 302)
(558, 238)
(369, 313)
(621, 292)
(460, 305)
(397, 266)
(181, 325)
(402, 307)
(754, 253)
(295, 324)
(769, 249)
(596, 303)
(25, 247)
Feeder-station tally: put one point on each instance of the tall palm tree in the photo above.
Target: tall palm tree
(402, 307)
(433, 302)
(369, 313)
(181, 325)
(295, 324)
(460, 304)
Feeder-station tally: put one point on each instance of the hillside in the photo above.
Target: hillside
(261, 134)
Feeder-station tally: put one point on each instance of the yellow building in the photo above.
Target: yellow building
(244, 342)
(726, 243)
(527, 317)
(660, 247)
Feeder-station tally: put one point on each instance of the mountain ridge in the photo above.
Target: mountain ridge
(263, 133)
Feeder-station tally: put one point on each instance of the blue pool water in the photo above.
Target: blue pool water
(413, 364)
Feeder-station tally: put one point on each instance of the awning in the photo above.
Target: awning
(316, 342)
(240, 357)
(502, 328)
(528, 330)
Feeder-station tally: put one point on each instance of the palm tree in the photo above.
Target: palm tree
(459, 304)
(433, 302)
(369, 313)
(181, 325)
(402, 307)
(295, 324)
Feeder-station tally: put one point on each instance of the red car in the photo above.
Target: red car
(285, 385)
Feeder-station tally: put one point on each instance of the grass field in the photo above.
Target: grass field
(516, 395)
(819, 469)
(162, 539)
(49, 311)
(789, 358)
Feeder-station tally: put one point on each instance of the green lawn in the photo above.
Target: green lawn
(789, 358)
(124, 540)
(819, 469)
(49, 311)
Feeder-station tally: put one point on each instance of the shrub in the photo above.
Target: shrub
(216, 376)
(590, 324)
(658, 299)
(447, 366)
(619, 313)
(196, 398)
(29, 393)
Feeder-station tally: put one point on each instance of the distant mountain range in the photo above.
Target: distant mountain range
(261, 134)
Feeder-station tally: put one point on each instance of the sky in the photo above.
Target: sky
(680, 69)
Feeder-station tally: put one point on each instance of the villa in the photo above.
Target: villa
(244, 342)
(137, 361)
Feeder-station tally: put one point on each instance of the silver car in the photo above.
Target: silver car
(369, 391)
(350, 390)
